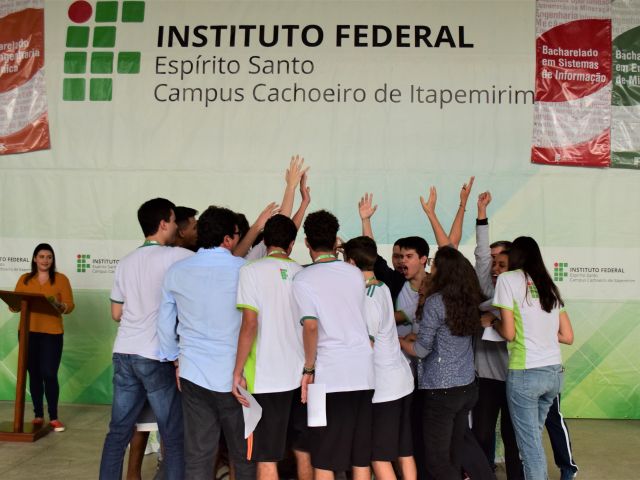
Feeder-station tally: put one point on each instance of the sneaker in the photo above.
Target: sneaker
(57, 426)
(37, 421)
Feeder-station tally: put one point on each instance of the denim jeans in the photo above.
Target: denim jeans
(530, 393)
(134, 379)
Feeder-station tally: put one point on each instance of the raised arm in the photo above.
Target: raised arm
(366, 209)
(305, 192)
(292, 176)
(483, 251)
(455, 234)
(245, 244)
(429, 207)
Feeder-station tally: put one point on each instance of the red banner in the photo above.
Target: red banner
(24, 125)
(572, 113)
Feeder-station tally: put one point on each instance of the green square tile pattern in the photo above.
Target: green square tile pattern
(73, 89)
(102, 62)
(129, 62)
(77, 37)
(100, 89)
(75, 62)
(133, 12)
(104, 37)
(106, 12)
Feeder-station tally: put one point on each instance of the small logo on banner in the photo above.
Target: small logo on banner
(83, 262)
(103, 61)
(560, 271)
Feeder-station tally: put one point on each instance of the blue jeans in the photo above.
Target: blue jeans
(134, 379)
(530, 393)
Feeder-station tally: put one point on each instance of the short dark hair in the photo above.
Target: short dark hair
(243, 224)
(418, 244)
(363, 251)
(321, 229)
(214, 224)
(505, 244)
(279, 231)
(398, 242)
(152, 212)
(183, 214)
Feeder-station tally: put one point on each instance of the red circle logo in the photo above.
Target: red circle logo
(80, 11)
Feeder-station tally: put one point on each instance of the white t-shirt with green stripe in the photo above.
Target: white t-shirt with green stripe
(536, 341)
(277, 357)
(393, 375)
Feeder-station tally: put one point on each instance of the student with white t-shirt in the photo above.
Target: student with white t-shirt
(270, 355)
(391, 427)
(534, 321)
(330, 297)
(139, 374)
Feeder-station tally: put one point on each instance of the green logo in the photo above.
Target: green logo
(104, 60)
(533, 291)
(83, 262)
(283, 273)
(560, 271)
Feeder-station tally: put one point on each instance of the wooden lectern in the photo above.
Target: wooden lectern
(25, 303)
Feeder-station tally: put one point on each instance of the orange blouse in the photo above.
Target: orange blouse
(61, 290)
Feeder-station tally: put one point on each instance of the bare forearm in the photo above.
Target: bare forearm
(247, 241)
(310, 341)
(455, 234)
(299, 216)
(367, 231)
(441, 237)
(286, 207)
(247, 335)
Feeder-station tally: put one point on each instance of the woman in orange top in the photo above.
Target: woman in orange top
(45, 332)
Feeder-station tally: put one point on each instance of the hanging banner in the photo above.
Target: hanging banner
(572, 113)
(24, 125)
(625, 97)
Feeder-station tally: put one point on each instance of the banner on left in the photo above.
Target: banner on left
(24, 125)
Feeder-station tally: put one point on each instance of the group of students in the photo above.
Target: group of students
(196, 329)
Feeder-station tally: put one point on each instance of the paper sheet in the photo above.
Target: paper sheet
(491, 335)
(251, 414)
(316, 405)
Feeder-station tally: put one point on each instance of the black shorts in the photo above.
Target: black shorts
(270, 435)
(391, 425)
(346, 440)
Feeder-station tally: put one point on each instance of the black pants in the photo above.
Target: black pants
(559, 437)
(492, 399)
(445, 420)
(43, 361)
(206, 413)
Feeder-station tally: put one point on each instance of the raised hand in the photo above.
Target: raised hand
(429, 206)
(305, 191)
(270, 210)
(484, 199)
(465, 191)
(366, 209)
(295, 172)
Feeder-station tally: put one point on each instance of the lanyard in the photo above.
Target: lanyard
(148, 243)
(277, 252)
(324, 257)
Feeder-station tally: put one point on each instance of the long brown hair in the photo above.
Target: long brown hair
(456, 280)
(34, 266)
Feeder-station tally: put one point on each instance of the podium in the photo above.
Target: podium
(25, 303)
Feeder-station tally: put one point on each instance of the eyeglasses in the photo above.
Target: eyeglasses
(236, 233)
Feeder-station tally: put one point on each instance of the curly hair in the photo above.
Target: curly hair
(456, 280)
